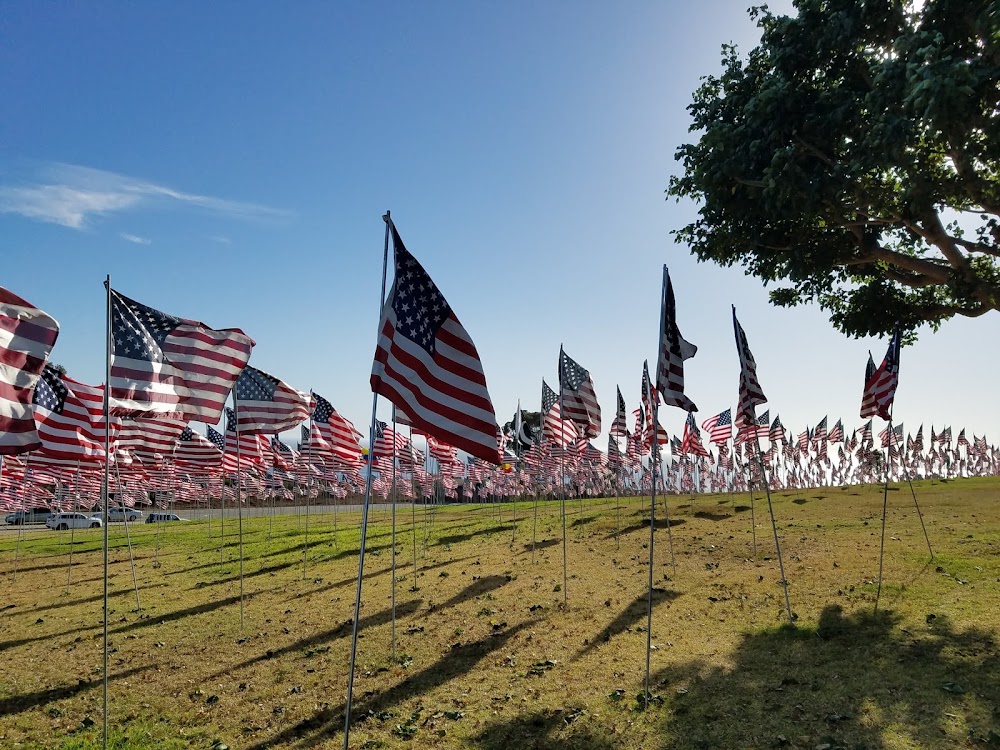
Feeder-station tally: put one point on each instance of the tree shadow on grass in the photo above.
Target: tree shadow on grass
(661, 523)
(632, 614)
(456, 538)
(542, 544)
(318, 729)
(708, 515)
(545, 730)
(848, 683)
(485, 585)
(16, 704)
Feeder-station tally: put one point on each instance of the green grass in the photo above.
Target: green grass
(486, 654)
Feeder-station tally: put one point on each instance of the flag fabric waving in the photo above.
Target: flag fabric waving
(195, 451)
(691, 442)
(578, 397)
(619, 428)
(335, 433)
(427, 365)
(266, 405)
(719, 427)
(27, 335)
(750, 393)
(674, 350)
(70, 418)
(162, 364)
(880, 388)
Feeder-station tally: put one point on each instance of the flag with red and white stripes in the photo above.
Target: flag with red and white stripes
(577, 397)
(750, 393)
(267, 405)
(427, 365)
(880, 387)
(332, 435)
(162, 364)
(196, 451)
(150, 439)
(619, 428)
(719, 427)
(27, 336)
(674, 350)
(70, 418)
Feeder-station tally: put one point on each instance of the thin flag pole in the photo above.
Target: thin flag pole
(308, 472)
(654, 458)
(562, 480)
(393, 540)
(104, 488)
(128, 537)
(239, 499)
(364, 518)
(920, 515)
(774, 523)
(885, 507)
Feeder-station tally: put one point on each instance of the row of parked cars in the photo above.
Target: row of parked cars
(62, 521)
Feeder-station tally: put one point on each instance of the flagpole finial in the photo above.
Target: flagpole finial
(386, 217)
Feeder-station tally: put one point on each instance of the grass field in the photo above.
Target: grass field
(487, 656)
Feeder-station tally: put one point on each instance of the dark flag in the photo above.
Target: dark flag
(578, 397)
(674, 350)
(880, 387)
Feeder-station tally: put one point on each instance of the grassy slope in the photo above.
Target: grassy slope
(474, 640)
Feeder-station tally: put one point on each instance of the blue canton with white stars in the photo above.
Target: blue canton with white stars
(322, 410)
(420, 307)
(137, 331)
(50, 392)
(255, 385)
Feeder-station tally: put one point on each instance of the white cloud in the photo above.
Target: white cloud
(135, 239)
(71, 195)
(221, 239)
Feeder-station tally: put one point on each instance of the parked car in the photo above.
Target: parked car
(124, 514)
(34, 515)
(163, 517)
(64, 521)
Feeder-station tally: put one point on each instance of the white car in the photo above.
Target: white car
(64, 521)
(124, 514)
(163, 518)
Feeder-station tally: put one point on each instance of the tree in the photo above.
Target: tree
(854, 156)
(58, 368)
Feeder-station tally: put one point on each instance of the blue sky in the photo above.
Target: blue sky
(230, 162)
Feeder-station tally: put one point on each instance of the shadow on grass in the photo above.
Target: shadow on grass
(661, 523)
(317, 639)
(631, 615)
(709, 516)
(545, 730)
(544, 544)
(852, 681)
(484, 585)
(456, 538)
(15, 704)
(318, 729)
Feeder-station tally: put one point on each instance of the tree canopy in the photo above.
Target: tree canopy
(852, 159)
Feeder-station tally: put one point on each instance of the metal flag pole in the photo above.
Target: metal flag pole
(920, 515)
(104, 489)
(562, 479)
(885, 507)
(770, 509)
(20, 526)
(128, 537)
(654, 459)
(72, 535)
(364, 519)
(308, 472)
(239, 499)
(413, 513)
(393, 541)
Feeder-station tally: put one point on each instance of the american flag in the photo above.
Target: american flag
(918, 441)
(837, 433)
(579, 400)
(880, 388)
(388, 442)
(674, 350)
(27, 335)
(820, 432)
(614, 453)
(719, 427)
(245, 443)
(692, 438)
(194, 451)
(619, 428)
(555, 429)
(751, 431)
(70, 418)
(866, 433)
(265, 404)
(427, 365)
(777, 430)
(150, 439)
(750, 393)
(161, 364)
(334, 434)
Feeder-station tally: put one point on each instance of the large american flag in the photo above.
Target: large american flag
(427, 365)
(265, 404)
(555, 429)
(673, 351)
(162, 364)
(750, 393)
(27, 335)
(150, 439)
(70, 418)
(579, 400)
(719, 427)
(880, 387)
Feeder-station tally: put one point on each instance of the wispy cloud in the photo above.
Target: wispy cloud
(72, 196)
(135, 239)
(221, 239)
